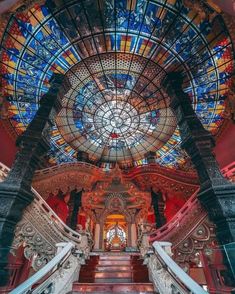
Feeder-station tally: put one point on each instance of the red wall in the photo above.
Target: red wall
(226, 5)
(225, 147)
(7, 147)
(6, 5)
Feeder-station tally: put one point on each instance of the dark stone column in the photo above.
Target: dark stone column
(76, 199)
(216, 194)
(159, 207)
(15, 191)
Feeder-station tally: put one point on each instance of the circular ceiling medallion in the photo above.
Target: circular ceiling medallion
(116, 114)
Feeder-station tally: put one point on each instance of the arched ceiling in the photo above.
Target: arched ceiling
(115, 54)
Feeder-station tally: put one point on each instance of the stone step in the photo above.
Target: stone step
(113, 288)
(111, 268)
(114, 275)
(120, 273)
(114, 262)
(95, 292)
(104, 268)
(106, 273)
(112, 280)
(107, 292)
(115, 257)
(114, 269)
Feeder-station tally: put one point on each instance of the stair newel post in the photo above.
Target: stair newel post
(216, 194)
(33, 144)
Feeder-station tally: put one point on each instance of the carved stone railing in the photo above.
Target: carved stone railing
(39, 241)
(57, 276)
(143, 238)
(40, 229)
(166, 275)
(186, 220)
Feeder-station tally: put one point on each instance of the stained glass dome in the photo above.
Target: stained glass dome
(115, 54)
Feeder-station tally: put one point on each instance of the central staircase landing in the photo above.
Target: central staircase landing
(114, 273)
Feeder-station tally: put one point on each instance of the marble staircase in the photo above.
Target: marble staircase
(114, 273)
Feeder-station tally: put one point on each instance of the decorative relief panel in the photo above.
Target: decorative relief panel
(39, 241)
(202, 238)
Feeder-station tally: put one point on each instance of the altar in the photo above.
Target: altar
(115, 239)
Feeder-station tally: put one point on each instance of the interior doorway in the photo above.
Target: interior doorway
(115, 232)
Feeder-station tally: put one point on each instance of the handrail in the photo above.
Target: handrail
(164, 231)
(42, 203)
(50, 266)
(177, 271)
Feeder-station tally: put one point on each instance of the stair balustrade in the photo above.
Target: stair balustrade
(57, 276)
(40, 229)
(166, 275)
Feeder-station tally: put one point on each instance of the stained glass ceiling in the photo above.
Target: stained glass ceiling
(115, 54)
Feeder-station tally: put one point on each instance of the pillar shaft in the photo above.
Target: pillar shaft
(101, 237)
(129, 235)
(158, 207)
(97, 236)
(76, 204)
(216, 194)
(133, 235)
(15, 191)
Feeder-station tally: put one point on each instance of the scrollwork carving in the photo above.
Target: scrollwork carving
(161, 277)
(36, 247)
(39, 241)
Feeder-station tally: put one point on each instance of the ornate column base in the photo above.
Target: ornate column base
(219, 202)
(14, 199)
